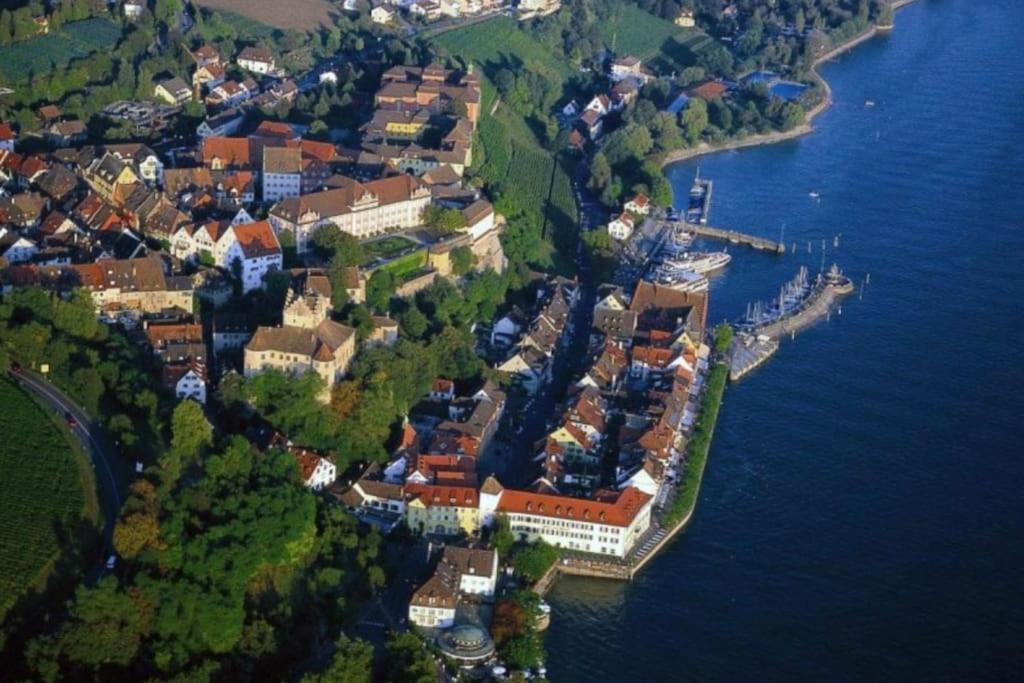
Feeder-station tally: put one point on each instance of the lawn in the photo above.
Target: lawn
(410, 263)
(683, 50)
(387, 247)
(39, 55)
(301, 15)
(48, 489)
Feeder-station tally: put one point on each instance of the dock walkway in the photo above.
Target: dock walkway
(737, 238)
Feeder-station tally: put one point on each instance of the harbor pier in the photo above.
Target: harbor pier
(749, 352)
(817, 306)
(736, 237)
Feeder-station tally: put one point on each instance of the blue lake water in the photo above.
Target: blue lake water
(862, 515)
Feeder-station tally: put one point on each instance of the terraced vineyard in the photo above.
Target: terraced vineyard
(46, 489)
(500, 43)
(21, 60)
(514, 162)
(638, 33)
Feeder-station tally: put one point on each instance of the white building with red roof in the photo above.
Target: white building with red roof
(639, 204)
(316, 471)
(252, 246)
(621, 227)
(609, 524)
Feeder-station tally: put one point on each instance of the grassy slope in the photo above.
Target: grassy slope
(635, 32)
(47, 484)
(663, 45)
(512, 155)
(39, 55)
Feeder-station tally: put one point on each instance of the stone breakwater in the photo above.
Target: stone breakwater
(817, 306)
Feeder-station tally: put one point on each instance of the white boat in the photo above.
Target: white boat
(699, 261)
(869, 103)
(679, 278)
(814, 195)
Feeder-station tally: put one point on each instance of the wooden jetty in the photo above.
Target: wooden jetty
(737, 238)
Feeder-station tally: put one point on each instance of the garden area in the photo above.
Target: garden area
(387, 247)
(401, 268)
(48, 490)
(26, 58)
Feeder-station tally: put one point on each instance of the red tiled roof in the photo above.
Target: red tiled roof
(257, 239)
(709, 90)
(442, 496)
(230, 151)
(275, 129)
(640, 200)
(308, 462)
(652, 356)
(617, 512)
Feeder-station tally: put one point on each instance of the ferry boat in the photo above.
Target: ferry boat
(699, 261)
(679, 278)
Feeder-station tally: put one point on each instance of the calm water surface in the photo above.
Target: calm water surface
(862, 515)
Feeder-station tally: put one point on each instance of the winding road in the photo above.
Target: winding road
(104, 454)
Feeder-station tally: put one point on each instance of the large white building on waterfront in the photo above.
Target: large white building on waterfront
(609, 524)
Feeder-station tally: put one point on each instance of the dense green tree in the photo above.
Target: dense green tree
(380, 288)
(463, 260)
(695, 119)
(532, 561)
(352, 663)
(191, 433)
(105, 627)
(406, 660)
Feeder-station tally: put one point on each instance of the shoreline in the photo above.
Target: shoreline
(807, 127)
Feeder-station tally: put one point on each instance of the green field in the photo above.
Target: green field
(513, 160)
(682, 51)
(47, 489)
(638, 33)
(500, 43)
(35, 56)
(664, 47)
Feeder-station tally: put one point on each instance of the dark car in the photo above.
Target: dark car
(70, 419)
(15, 366)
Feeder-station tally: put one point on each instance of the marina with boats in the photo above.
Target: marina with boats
(799, 305)
(664, 255)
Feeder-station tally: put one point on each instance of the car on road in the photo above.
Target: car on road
(15, 367)
(70, 420)
(111, 562)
